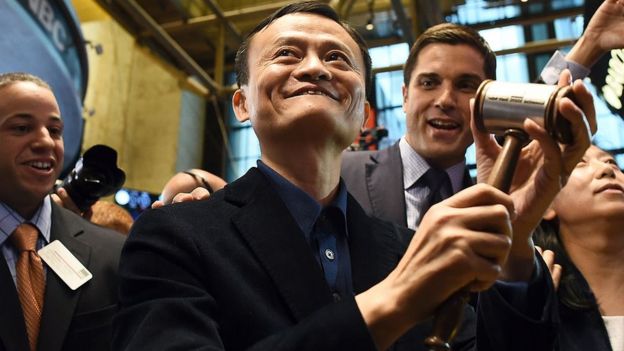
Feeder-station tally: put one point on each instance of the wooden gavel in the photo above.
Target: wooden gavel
(501, 108)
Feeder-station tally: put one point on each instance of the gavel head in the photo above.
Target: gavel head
(502, 106)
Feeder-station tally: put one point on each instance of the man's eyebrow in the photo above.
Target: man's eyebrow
(427, 75)
(57, 119)
(470, 76)
(29, 117)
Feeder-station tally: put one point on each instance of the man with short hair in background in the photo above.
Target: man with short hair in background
(445, 66)
(40, 311)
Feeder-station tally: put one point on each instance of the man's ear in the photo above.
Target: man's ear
(367, 110)
(550, 214)
(404, 91)
(239, 104)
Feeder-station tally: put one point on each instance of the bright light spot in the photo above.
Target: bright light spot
(122, 197)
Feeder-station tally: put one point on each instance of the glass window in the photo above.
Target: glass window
(477, 11)
(512, 67)
(508, 37)
(390, 55)
(570, 27)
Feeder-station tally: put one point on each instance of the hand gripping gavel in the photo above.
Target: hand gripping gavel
(500, 108)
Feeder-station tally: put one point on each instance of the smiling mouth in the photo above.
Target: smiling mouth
(311, 92)
(39, 165)
(314, 92)
(443, 124)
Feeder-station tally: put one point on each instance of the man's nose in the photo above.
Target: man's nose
(447, 99)
(313, 68)
(43, 140)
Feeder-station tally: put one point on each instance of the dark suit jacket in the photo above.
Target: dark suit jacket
(375, 179)
(71, 320)
(582, 329)
(235, 272)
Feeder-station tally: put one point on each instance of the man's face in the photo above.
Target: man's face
(595, 189)
(306, 84)
(31, 144)
(437, 102)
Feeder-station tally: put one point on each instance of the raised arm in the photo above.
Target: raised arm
(542, 170)
(604, 32)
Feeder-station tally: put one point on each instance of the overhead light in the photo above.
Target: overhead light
(370, 25)
(371, 15)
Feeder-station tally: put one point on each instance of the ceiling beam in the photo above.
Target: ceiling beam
(171, 46)
(342, 7)
(399, 11)
(539, 46)
(531, 19)
(214, 7)
(209, 20)
(535, 47)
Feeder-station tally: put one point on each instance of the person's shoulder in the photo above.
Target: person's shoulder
(358, 157)
(211, 209)
(91, 234)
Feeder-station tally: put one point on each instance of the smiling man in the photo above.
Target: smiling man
(285, 259)
(442, 73)
(444, 68)
(31, 158)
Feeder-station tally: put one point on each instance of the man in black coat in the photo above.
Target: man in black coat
(285, 259)
(30, 161)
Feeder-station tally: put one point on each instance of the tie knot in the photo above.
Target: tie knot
(434, 177)
(439, 183)
(25, 237)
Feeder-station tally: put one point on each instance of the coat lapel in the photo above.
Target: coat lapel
(467, 181)
(12, 327)
(278, 243)
(384, 179)
(60, 301)
(375, 249)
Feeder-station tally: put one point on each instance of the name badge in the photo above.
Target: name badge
(65, 264)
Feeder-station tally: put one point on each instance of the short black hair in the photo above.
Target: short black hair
(313, 7)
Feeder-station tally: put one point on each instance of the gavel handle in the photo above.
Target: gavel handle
(450, 314)
(505, 165)
(447, 320)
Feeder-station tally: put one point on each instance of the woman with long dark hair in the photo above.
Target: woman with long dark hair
(585, 228)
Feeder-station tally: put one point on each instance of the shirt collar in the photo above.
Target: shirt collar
(10, 219)
(415, 166)
(304, 209)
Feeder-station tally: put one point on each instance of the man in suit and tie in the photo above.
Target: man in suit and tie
(39, 310)
(444, 68)
(285, 259)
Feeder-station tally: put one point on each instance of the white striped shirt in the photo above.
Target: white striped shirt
(9, 220)
(414, 167)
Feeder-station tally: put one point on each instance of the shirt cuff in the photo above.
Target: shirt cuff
(557, 63)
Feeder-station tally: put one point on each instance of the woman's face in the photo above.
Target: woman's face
(595, 189)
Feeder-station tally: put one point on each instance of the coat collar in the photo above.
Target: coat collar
(384, 174)
(279, 245)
